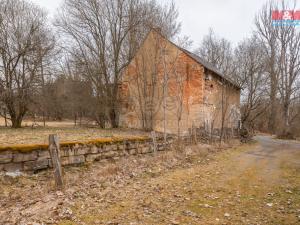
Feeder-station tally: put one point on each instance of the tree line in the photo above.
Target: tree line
(267, 67)
(71, 67)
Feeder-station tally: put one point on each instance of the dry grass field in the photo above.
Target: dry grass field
(29, 123)
(65, 130)
(249, 184)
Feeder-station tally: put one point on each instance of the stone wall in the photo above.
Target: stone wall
(37, 157)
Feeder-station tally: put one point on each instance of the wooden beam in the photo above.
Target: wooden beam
(55, 157)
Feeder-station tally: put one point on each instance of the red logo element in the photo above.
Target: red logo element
(285, 15)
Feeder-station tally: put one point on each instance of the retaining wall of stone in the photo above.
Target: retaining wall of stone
(37, 157)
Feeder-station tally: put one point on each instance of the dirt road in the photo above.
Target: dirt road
(252, 184)
(260, 185)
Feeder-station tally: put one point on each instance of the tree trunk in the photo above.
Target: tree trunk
(222, 116)
(113, 118)
(178, 129)
(44, 119)
(80, 119)
(100, 119)
(148, 122)
(286, 117)
(273, 93)
(75, 119)
(5, 118)
(16, 122)
(273, 111)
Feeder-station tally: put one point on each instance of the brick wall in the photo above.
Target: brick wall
(187, 89)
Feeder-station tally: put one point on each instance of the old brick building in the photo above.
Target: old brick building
(168, 87)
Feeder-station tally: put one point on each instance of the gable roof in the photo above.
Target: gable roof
(200, 60)
(209, 66)
(196, 58)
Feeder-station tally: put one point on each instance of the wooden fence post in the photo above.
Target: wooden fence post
(153, 134)
(194, 134)
(55, 157)
(191, 135)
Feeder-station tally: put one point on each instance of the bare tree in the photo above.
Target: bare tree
(24, 42)
(103, 37)
(221, 111)
(224, 105)
(217, 51)
(289, 67)
(147, 79)
(267, 34)
(97, 30)
(180, 83)
(250, 72)
(158, 83)
(184, 42)
(280, 44)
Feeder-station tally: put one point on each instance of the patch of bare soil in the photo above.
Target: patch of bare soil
(201, 185)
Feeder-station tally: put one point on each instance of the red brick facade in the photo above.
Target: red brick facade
(165, 87)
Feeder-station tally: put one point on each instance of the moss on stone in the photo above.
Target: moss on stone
(98, 142)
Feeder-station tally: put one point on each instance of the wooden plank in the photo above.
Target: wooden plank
(153, 135)
(55, 157)
(194, 133)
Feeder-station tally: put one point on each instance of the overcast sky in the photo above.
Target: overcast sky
(232, 19)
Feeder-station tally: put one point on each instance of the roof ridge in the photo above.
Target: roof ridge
(209, 66)
(199, 59)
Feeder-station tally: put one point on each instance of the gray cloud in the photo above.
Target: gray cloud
(232, 19)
